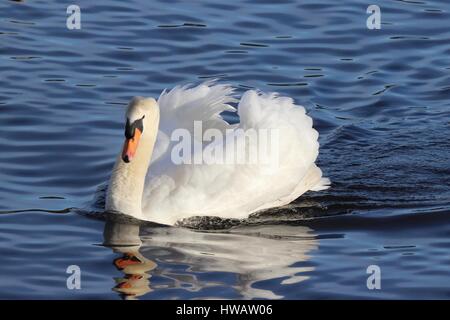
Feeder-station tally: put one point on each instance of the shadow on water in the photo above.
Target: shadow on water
(252, 253)
(269, 245)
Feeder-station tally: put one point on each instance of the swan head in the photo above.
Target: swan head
(140, 113)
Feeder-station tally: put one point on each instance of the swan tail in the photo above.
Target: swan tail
(298, 145)
(323, 184)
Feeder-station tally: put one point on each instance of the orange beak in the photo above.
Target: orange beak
(130, 146)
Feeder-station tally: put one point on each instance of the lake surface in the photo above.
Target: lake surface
(379, 98)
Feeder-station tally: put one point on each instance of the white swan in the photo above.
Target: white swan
(169, 192)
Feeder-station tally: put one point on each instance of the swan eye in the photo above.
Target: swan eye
(130, 128)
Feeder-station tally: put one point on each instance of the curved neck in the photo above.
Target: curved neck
(127, 181)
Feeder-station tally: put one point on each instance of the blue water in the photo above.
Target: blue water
(379, 98)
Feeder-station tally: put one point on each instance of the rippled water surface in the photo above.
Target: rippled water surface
(379, 98)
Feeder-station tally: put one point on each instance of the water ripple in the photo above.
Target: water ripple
(379, 99)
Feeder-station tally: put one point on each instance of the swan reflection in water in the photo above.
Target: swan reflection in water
(124, 240)
(254, 253)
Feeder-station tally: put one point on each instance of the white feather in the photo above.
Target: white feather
(173, 192)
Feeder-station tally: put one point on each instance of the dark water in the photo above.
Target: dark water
(380, 100)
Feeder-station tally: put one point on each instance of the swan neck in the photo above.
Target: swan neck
(126, 185)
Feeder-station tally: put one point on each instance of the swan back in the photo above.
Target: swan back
(231, 190)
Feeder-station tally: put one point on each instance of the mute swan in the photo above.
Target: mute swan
(149, 183)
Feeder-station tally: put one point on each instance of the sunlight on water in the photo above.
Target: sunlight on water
(379, 99)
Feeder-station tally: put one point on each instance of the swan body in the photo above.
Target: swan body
(148, 184)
